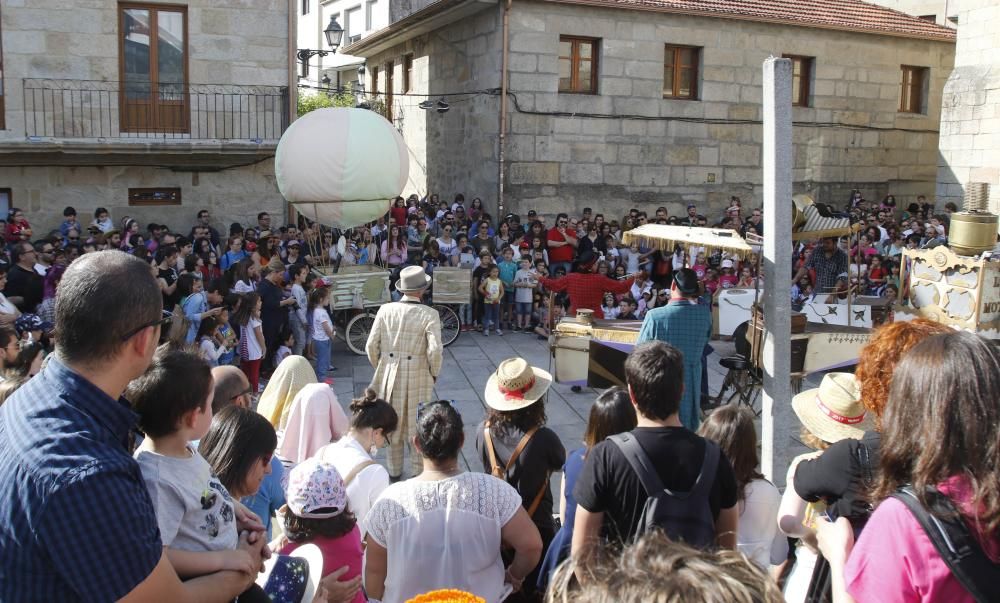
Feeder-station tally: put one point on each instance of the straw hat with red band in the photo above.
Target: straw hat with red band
(516, 385)
(833, 411)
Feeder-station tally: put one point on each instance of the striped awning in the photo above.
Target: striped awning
(665, 237)
(808, 223)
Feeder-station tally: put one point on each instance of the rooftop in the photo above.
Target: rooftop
(848, 15)
(843, 15)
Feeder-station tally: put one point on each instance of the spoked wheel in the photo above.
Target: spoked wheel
(451, 325)
(356, 333)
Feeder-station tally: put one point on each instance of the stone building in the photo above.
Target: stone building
(141, 107)
(613, 104)
(970, 115)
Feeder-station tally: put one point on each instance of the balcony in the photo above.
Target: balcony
(180, 126)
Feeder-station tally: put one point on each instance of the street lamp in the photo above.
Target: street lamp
(334, 34)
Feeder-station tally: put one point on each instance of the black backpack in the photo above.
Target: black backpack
(957, 546)
(682, 516)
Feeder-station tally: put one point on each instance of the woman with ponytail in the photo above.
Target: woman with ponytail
(372, 423)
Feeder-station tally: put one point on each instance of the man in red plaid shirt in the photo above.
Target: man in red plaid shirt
(586, 288)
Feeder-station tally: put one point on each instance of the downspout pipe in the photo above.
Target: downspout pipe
(293, 84)
(293, 71)
(501, 167)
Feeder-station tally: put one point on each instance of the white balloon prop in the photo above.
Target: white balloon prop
(341, 167)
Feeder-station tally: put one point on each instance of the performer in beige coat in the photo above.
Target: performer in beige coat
(405, 348)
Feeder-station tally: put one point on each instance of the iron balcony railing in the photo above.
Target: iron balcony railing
(94, 109)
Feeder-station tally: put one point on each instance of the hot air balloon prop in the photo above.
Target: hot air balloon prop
(341, 167)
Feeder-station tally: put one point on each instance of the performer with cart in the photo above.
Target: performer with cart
(405, 348)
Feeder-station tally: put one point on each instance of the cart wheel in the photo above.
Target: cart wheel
(451, 325)
(356, 333)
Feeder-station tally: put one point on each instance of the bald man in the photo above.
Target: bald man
(231, 387)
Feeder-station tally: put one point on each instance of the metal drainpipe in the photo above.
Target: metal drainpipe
(503, 108)
(293, 71)
(293, 85)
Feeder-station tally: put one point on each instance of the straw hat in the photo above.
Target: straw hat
(833, 410)
(516, 385)
(413, 278)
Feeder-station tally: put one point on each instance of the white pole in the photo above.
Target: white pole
(777, 415)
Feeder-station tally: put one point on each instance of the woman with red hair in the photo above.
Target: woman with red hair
(842, 476)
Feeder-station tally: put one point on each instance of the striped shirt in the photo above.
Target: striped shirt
(76, 521)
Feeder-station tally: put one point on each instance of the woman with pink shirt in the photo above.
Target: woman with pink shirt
(941, 437)
(394, 247)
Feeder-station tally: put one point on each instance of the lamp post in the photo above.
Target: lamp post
(334, 34)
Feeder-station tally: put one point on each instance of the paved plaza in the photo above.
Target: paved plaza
(468, 364)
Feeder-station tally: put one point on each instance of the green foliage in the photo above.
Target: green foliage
(312, 100)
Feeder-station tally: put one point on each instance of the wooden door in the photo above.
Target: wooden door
(154, 94)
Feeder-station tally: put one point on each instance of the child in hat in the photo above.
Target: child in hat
(316, 512)
(829, 413)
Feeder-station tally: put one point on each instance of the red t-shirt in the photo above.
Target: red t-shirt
(564, 253)
(728, 281)
(337, 552)
(399, 215)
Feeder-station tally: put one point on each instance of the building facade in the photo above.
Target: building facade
(143, 107)
(358, 18)
(611, 107)
(941, 12)
(970, 115)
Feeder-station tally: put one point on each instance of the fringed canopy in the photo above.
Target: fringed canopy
(665, 237)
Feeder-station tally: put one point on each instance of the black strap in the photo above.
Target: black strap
(954, 543)
(650, 479)
(637, 457)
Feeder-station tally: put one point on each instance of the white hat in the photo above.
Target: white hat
(727, 263)
(516, 385)
(833, 411)
(413, 278)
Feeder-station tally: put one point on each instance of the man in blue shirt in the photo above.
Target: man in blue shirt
(687, 326)
(76, 521)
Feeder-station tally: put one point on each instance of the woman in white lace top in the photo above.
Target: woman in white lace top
(444, 528)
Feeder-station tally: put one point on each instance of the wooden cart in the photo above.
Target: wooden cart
(356, 293)
(450, 288)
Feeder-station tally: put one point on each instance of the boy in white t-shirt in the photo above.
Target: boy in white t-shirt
(524, 289)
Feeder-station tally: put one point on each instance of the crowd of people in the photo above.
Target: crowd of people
(148, 421)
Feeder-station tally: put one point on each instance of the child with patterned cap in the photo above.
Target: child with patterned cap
(316, 513)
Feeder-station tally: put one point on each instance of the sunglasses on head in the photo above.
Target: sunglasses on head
(163, 322)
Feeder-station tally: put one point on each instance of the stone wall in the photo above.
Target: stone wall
(683, 151)
(234, 195)
(970, 117)
(236, 42)
(456, 151)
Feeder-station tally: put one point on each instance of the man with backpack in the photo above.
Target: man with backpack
(657, 476)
